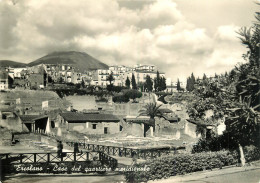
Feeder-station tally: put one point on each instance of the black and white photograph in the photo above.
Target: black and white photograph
(129, 91)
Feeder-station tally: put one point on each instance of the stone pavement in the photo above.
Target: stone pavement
(247, 174)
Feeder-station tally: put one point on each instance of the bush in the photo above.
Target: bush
(120, 99)
(116, 89)
(132, 94)
(214, 144)
(251, 153)
(126, 95)
(165, 167)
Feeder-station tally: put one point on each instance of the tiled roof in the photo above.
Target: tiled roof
(31, 118)
(173, 119)
(165, 110)
(201, 123)
(81, 117)
(147, 71)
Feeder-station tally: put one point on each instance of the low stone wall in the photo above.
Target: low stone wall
(6, 137)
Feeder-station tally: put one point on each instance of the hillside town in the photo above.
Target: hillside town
(43, 75)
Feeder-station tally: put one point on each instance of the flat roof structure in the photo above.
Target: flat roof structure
(74, 117)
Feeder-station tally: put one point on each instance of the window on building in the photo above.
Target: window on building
(105, 130)
(94, 126)
(52, 124)
(3, 116)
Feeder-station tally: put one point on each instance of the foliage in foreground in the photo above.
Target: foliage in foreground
(234, 97)
(165, 167)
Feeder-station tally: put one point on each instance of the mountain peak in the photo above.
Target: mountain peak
(80, 60)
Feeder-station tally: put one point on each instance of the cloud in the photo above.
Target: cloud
(227, 33)
(156, 32)
(163, 12)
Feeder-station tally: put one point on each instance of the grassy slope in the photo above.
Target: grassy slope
(6, 63)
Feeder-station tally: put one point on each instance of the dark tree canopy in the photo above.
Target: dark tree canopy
(127, 82)
(204, 76)
(134, 86)
(178, 85)
(159, 83)
(110, 78)
(190, 83)
(148, 84)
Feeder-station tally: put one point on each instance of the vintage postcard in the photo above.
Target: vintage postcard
(129, 91)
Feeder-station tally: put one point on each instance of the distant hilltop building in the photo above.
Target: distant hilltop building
(38, 76)
(120, 74)
(63, 73)
(4, 80)
(171, 86)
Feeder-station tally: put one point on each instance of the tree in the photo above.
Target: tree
(127, 82)
(151, 110)
(204, 76)
(148, 84)
(198, 78)
(110, 78)
(141, 86)
(134, 86)
(178, 85)
(82, 83)
(244, 112)
(192, 82)
(157, 82)
(162, 84)
(236, 96)
(60, 80)
(188, 84)
(226, 74)
(133, 94)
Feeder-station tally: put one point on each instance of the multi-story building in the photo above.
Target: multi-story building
(17, 72)
(120, 74)
(145, 67)
(99, 77)
(4, 84)
(66, 73)
(63, 73)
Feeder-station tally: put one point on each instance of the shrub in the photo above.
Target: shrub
(251, 153)
(164, 167)
(214, 144)
(120, 99)
(132, 94)
(116, 89)
(126, 95)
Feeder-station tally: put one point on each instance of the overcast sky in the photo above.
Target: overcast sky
(178, 36)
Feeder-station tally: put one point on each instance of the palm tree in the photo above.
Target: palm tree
(151, 110)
